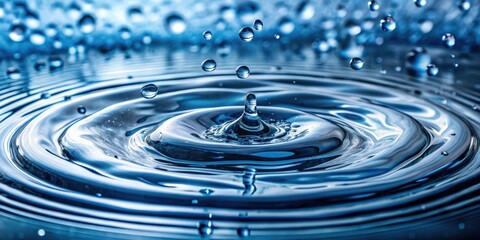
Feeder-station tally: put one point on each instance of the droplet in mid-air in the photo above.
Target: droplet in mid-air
(417, 61)
(388, 24)
(246, 34)
(175, 24)
(243, 232)
(243, 72)
(207, 35)
(37, 37)
(41, 232)
(209, 65)
(205, 228)
(420, 3)
(149, 91)
(258, 25)
(448, 40)
(86, 24)
(373, 5)
(444, 153)
(13, 73)
(432, 70)
(55, 62)
(276, 36)
(17, 32)
(356, 63)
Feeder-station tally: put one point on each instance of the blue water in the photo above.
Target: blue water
(335, 131)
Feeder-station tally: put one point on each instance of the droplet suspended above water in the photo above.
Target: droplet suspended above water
(420, 3)
(417, 61)
(464, 5)
(243, 72)
(356, 63)
(373, 5)
(41, 232)
(207, 35)
(135, 14)
(37, 37)
(209, 65)
(82, 110)
(17, 32)
(55, 62)
(205, 228)
(246, 34)
(258, 25)
(149, 91)
(432, 70)
(388, 24)
(276, 36)
(448, 40)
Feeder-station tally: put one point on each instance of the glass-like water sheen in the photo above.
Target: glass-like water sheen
(354, 154)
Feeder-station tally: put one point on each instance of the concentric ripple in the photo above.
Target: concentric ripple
(354, 155)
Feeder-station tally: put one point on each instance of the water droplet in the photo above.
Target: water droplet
(149, 91)
(81, 110)
(420, 3)
(305, 11)
(258, 25)
(243, 72)
(194, 201)
(286, 25)
(383, 71)
(41, 232)
(356, 63)
(417, 60)
(55, 62)
(206, 191)
(13, 73)
(464, 5)
(135, 15)
(205, 228)
(352, 27)
(243, 232)
(99, 194)
(209, 65)
(51, 30)
(448, 40)
(388, 24)
(373, 5)
(45, 95)
(86, 24)
(37, 37)
(444, 153)
(125, 33)
(17, 32)
(432, 70)
(276, 36)
(207, 35)
(175, 24)
(39, 65)
(246, 34)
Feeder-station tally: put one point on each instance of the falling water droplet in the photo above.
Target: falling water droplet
(205, 228)
(276, 36)
(356, 63)
(17, 32)
(373, 5)
(243, 232)
(448, 40)
(246, 34)
(37, 37)
(135, 14)
(417, 61)
(39, 65)
(243, 72)
(209, 65)
(388, 24)
(305, 10)
(41, 232)
(175, 24)
(207, 35)
(149, 91)
(258, 25)
(86, 24)
(432, 70)
(13, 73)
(420, 3)
(81, 110)
(286, 25)
(444, 153)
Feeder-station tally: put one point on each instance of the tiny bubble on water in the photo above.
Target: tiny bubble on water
(149, 91)
(81, 110)
(243, 72)
(356, 63)
(206, 191)
(209, 65)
